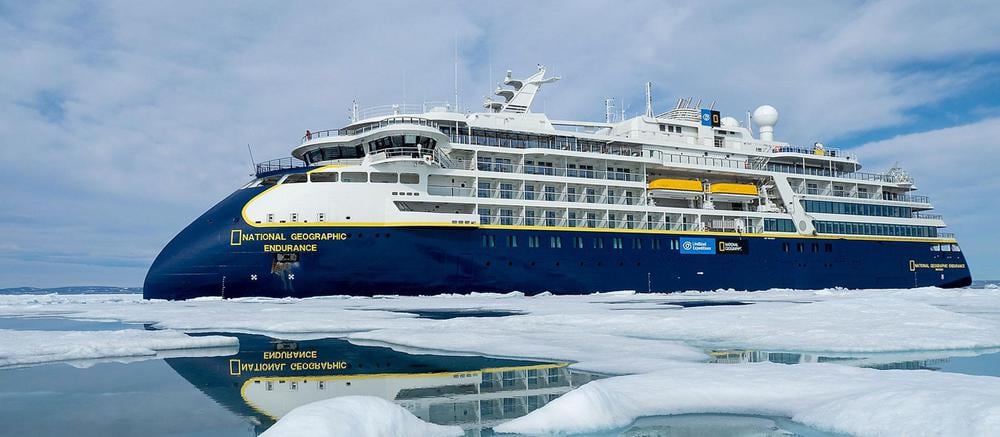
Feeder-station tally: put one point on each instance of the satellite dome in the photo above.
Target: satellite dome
(730, 122)
(765, 115)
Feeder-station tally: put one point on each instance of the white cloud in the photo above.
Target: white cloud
(139, 114)
(956, 166)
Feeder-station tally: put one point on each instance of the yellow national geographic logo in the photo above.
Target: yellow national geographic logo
(236, 237)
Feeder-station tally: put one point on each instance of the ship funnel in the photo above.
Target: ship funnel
(765, 116)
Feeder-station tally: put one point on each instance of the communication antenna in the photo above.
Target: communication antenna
(253, 164)
(649, 99)
(609, 109)
(749, 125)
(622, 108)
(456, 71)
(353, 112)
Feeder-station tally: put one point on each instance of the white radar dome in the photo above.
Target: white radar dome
(730, 122)
(765, 115)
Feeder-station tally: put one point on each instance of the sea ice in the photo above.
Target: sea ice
(592, 330)
(18, 348)
(632, 333)
(355, 416)
(858, 401)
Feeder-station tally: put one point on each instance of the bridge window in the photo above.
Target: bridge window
(385, 178)
(409, 178)
(350, 176)
(323, 177)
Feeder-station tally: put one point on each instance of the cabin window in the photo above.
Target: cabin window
(598, 243)
(512, 241)
(550, 218)
(323, 177)
(270, 180)
(555, 242)
(296, 178)
(352, 176)
(409, 178)
(529, 218)
(484, 216)
(385, 178)
(578, 242)
(506, 190)
(507, 217)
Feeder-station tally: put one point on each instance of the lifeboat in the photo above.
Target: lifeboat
(675, 188)
(733, 192)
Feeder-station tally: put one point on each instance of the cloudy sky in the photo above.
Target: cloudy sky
(122, 121)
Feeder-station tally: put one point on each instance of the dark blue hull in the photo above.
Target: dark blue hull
(213, 257)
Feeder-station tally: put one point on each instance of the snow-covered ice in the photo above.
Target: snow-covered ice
(18, 348)
(656, 342)
(593, 331)
(355, 416)
(858, 401)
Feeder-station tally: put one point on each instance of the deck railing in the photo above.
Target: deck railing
(419, 121)
(277, 165)
(891, 197)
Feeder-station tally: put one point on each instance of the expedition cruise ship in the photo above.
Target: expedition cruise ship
(427, 200)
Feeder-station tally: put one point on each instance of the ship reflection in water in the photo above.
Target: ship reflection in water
(268, 378)
(973, 361)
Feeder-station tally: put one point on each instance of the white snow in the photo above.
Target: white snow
(593, 331)
(355, 416)
(649, 336)
(858, 401)
(18, 348)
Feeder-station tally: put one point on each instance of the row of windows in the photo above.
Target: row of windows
(355, 151)
(555, 242)
(824, 207)
(801, 247)
(825, 227)
(401, 141)
(335, 152)
(347, 176)
(486, 137)
(506, 190)
(779, 225)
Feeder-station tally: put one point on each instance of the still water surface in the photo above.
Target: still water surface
(243, 393)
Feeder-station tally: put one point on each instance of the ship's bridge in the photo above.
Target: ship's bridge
(391, 137)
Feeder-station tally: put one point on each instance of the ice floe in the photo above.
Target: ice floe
(18, 348)
(863, 402)
(355, 416)
(658, 340)
(593, 331)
